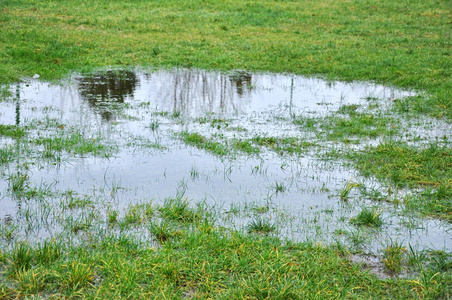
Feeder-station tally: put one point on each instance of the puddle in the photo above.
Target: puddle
(139, 114)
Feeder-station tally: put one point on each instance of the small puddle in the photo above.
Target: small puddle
(139, 113)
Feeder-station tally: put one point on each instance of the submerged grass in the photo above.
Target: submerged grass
(428, 168)
(405, 44)
(72, 142)
(216, 263)
(201, 142)
(290, 145)
(195, 257)
(405, 165)
(12, 131)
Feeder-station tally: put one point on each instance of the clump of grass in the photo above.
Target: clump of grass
(218, 123)
(176, 114)
(7, 231)
(133, 215)
(261, 209)
(73, 202)
(259, 225)
(12, 131)
(393, 256)
(368, 217)
(80, 223)
(154, 125)
(76, 274)
(290, 145)
(163, 231)
(201, 142)
(280, 187)
(112, 216)
(178, 209)
(48, 252)
(72, 142)
(21, 257)
(18, 183)
(33, 281)
(347, 188)
(6, 154)
(245, 146)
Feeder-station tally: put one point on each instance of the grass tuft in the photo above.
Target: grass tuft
(178, 209)
(368, 217)
(259, 225)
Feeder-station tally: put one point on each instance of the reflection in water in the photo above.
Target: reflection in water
(255, 105)
(184, 91)
(103, 89)
(192, 92)
(242, 80)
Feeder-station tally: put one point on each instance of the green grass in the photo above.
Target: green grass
(219, 264)
(349, 126)
(345, 191)
(72, 142)
(12, 131)
(393, 256)
(201, 142)
(178, 209)
(404, 44)
(368, 217)
(429, 168)
(290, 145)
(199, 258)
(260, 225)
(405, 165)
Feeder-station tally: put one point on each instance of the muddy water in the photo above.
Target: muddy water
(140, 113)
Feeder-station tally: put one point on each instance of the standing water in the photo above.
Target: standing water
(115, 138)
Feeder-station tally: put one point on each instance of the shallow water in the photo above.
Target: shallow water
(138, 112)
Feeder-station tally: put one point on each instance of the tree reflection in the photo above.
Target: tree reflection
(192, 92)
(242, 81)
(105, 90)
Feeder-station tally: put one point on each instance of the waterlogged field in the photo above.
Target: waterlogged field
(160, 162)
(182, 183)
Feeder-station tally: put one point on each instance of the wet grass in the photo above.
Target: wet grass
(201, 142)
(203, 263)
(260, 225)
(289, 145)
(393, 256)
(188, 253)
(73, 143)
(350, 126)
(405, 44)
(12, 131)
(428, 168)
(405, 165)
(368, 217)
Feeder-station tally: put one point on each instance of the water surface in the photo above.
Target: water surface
(140, 113)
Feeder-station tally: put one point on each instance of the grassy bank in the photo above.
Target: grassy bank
(405, 44)
(190, 257)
